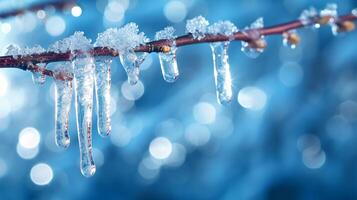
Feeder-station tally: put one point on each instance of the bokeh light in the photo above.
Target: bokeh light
(175, 11)
(76, 11)
(160, 148)
(55, 25)
(41, 174)
(252, 98)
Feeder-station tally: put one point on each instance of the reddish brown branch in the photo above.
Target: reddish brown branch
(59, 5)
(21, 62)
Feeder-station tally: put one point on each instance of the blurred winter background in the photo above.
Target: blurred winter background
(290, 132)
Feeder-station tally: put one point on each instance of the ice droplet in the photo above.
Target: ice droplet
(168, 62)
(256, 45)
(38, 77)
(197, 27)
(102, 89)
(63, 99)
(222, 74)
(84, 78)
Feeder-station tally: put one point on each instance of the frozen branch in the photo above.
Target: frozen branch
(22, 62)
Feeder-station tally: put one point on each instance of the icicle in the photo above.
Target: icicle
(83, 78)
(37, 76)
(291, 39)
(63, 98)
(256, 44)
(222, 74)
(168, 60)
(131, 62)
(102, 89)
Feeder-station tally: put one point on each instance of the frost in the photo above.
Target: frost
(308, 16)
(289, 39)
(197, 27)
(106, 38)
(166, 34)
(77, 41)
(14, 50)
(123, 39)
(168, 62)
(226, 28)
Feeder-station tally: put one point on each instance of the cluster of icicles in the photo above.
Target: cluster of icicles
(91, 73)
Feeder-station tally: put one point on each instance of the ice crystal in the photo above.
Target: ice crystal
(197, 27)
(226, 28)
(77, 41)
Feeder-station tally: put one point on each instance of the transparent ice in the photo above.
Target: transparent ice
(63, 99)
(253, 33)
(197, 27)
(222, 73)
(308, 16)
(37, 76)
(168, 60)
(84, 78)
(102, 90)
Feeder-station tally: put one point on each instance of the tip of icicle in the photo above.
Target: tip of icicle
(88, 171)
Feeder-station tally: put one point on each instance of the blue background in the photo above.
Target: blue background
(300, 144)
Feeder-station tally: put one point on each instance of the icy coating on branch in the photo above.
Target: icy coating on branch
(77, 41)
(168, 62)
(14, 50)
(197, 27)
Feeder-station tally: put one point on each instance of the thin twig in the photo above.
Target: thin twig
(21, 62)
